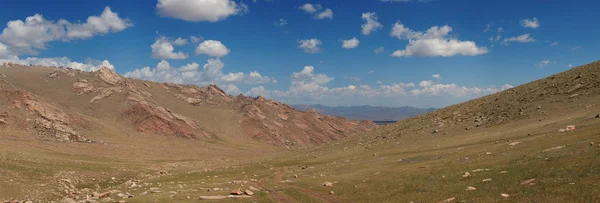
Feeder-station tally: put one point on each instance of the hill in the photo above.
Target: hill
(373, 113)
(537, 142)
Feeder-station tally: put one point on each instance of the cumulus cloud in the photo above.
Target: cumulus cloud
(315, 8)
(310, 8)
(310, 46)
(306, 76)
(521, 39)
(506, 86)
(89, 65)
(212, 48)
(200, 10)
(530, 23)
(425, 83)
(195, 39)
(230, 89)
(36, 32)
(163, 49)
(210, 73)
(240, 77)
(436, 76)
(180, 41)
(440, 47)
(327, 13)
(350, 44)
(434, 42)
(371, 23)
(309, 87)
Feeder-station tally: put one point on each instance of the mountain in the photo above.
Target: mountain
(71, 105)
(374, 113)
(70, 136)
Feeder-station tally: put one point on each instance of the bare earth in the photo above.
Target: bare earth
(98, 137)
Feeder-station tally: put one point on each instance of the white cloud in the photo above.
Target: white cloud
(212, 48)
(310, 46)
(89, 65)
(305, 89)
(425, 83)
(36, 32)
(211, 73)
(231, 89)
(436, 76)
(350, 44)
(575, 48)
(200, 10)
(256, 91)
(371, 23)
(440, 47)
(371, 72)
(306, 76)
(521, 38)
(180, 41)
(252, 78)
(570, 65)
(506, 86)
(379, 50)
(195, 39)
(163, 49)
(327, 13)
(554, 44)
(453, 90)
(311, 8)
(281, 22)
(530, 23)
(4, 52)
(433, 42)
(401, 32)
(544, 63)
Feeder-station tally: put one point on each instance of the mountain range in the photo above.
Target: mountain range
(366, 112)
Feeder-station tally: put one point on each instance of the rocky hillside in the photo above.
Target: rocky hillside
(71, 105)
(540, 100)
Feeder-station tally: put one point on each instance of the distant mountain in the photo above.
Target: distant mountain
(374, 113)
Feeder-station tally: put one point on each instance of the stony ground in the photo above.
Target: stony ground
(535, 143)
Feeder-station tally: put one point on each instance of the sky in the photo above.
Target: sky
(421, 53)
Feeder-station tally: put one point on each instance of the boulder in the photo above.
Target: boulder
(237, 192)
(526, 182)
(249, 192)
(328, 184)
(193, 101)
(82, 87)
(109, 76)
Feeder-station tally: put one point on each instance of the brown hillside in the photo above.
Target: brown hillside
(68, 104)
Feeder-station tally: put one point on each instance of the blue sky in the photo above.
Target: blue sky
(429, 54)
